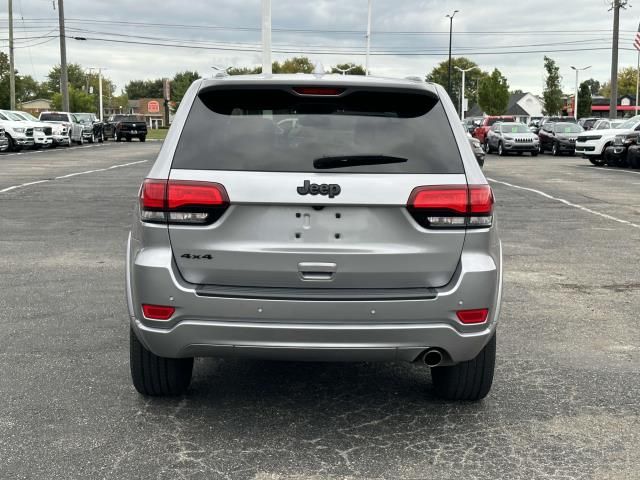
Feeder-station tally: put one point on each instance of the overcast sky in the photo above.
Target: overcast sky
(327, 26)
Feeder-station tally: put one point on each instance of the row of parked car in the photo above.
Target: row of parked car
(613, 142)
(19, 130)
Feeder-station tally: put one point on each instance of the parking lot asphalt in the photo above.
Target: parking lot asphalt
(565, 402)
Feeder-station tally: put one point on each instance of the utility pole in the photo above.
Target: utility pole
(462, 102)
(366, 62)
(575, 106)
(64, 78)
(12, 70)
(266, 37)
(613, 104)
(450, 17)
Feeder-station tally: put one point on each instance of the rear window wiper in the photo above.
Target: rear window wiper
(344, 161)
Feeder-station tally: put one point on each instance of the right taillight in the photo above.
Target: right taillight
(452, 206)
(182, 202)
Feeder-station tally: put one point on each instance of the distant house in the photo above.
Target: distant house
(151, 108)
(600, 106)
(522, 106)
(34, 107)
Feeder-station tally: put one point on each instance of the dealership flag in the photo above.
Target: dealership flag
(636, 42)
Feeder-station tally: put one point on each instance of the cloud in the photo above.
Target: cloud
(586, 24)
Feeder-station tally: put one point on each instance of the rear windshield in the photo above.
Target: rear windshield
(54, 117)
(279, 131)
(567, 128)
(128, 118)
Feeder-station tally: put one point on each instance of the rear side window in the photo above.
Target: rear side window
(279, 131)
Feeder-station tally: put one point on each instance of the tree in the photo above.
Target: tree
(627, 78)
(594, 86)
(493, 95)
(79, 101)
(294, 65)
(244, 70)
(355, 69)
(75, 73)
(137, 89)
(181, 82)
(552, 94)
(584, 100)
(26, 87)
(440, 75)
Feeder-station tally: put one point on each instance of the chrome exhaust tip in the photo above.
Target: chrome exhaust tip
(432, 358)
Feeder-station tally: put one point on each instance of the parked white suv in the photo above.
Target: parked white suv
(18, 134)
(593, 143)
(59, 133)
(69, 120)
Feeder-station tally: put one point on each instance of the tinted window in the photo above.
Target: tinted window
(567, 128)
(514, 128)
(275, 130)
(128, 118)
(54, 117)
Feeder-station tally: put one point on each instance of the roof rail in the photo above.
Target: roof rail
(414, 78)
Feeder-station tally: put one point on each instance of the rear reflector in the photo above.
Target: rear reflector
(157, 312)
(328, 91)
(470, 317)
(182, 202)
(452, 206)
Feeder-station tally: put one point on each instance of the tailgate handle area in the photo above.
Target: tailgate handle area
(317, 271)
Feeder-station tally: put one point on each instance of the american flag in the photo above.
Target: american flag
(636, 41)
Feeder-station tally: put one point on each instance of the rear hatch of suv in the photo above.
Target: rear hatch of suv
(298, 187)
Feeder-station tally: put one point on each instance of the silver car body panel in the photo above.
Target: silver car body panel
(458, 270)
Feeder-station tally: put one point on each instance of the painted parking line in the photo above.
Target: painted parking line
(56, 150)
(566, 202)
(612, 170)
(69, 175)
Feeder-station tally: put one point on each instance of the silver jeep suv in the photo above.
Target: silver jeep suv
(320, 218)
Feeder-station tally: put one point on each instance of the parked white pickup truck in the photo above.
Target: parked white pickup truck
(592, 144)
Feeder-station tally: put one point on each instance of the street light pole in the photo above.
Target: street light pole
(464, 71)
(366, 62)
(450, 17)
(575, 107)
(266, 37)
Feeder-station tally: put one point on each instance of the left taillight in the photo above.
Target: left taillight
(182, 202)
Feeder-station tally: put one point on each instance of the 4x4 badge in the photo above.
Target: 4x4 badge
(331, 189)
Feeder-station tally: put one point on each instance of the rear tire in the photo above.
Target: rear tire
(469, 380)
(501, 151)
(143, 138)
(157, 376)
(555, 151)
(128, 139)
(116, 137)
(534, 154)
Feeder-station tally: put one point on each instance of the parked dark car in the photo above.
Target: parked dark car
(633, 155)
(4, 141)
(92, 127)
(507, 137)
(617, 155)
(559, 137)
(478, 151)
(544, 120)
(126, 126)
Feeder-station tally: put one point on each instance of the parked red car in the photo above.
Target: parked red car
(481, 132)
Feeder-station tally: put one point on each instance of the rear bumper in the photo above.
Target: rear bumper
(311, 330)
